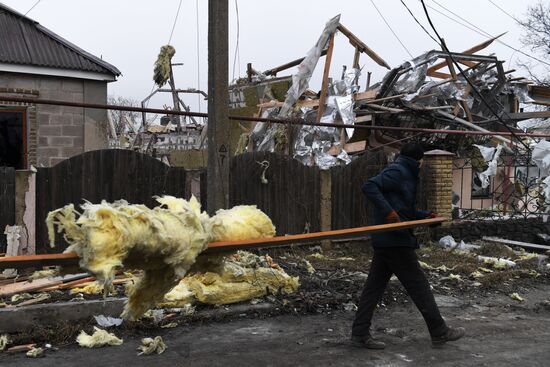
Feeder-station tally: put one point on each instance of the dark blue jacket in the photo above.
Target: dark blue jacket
(395, 189)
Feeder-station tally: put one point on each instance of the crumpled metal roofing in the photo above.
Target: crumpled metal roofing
(24, 41)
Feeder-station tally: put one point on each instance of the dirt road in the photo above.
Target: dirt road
(500, 332)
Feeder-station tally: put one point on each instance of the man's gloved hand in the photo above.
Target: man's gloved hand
(432, 215)
(393, 217)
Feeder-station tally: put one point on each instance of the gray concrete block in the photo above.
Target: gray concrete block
(72, 130)
(61, 119)
(60, 141)
(49, 130)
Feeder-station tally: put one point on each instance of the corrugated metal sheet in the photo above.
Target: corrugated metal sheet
(24, 41)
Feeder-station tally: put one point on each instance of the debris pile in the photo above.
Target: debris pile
(426, 92)
(164, 241)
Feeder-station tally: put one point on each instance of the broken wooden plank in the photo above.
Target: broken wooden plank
(355, 147)
(503, 241)
(358, 44)
(324, 87)
(215, 247)
(21, 348)
(22, 287)
(288, 65)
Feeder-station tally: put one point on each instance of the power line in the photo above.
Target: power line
(472, 85)
(237, 43)
(175, 21)
(504, 11)
(481, 31)
(32, 7)
(198, 54)
(392, 31)
(418, 22)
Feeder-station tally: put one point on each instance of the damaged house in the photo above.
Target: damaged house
(37, 63)
(417, 101)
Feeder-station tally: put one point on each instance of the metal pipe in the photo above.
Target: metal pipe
(260, 119)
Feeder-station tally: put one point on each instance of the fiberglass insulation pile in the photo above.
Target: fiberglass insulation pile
(163, 242)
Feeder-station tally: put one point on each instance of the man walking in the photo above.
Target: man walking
(393, 194)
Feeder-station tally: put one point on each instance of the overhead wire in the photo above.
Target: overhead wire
(481, 32)
(472, 85)
(391, 29)
(418, 22)
(237, 51)
(175, 21)
(198, 55)
(32, 7)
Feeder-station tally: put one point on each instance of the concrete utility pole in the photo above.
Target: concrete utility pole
(218, 106)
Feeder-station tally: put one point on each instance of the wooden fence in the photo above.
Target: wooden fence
(290, 193)
(7, 202)
(102, 175)
(349, 206)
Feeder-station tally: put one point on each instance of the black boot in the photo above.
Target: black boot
(367, 341)
(450, 335)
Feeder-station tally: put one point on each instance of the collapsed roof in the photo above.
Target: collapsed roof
(425, 92)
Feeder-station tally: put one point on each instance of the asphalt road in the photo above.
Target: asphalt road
(499, 333)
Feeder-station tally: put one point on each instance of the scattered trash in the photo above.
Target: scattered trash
(350, 307)
(517, 297)
(453, 277)
(92, 288)
(476, 274)
(35, 353)
(497, 263)
(99, 338)
(170, 325)
(449, 242)
(150, 346)
(107, 321)
(317, 256)
(40, 274)
(20, 297)
(4, 341)
(87, 231)
(310, 269)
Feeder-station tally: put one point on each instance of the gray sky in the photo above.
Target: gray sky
(129, 34)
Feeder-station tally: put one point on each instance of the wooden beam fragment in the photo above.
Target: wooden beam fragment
(19, 262)
(358, 44)
(328, 59)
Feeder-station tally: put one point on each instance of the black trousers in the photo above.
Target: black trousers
(402, 262)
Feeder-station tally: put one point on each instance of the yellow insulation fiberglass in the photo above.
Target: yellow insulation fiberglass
(163, 241)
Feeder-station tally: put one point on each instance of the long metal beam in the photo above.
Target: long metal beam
(516, 116)
(21, 262)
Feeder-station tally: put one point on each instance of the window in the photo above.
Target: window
(13, 140)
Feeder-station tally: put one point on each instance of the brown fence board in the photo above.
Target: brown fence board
(291, 198)
(349, 207)
(102, 175)
(7, 202)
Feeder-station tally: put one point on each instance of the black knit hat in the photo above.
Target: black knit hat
(413, 150)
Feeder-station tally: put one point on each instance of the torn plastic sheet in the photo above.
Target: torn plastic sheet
(486, 175)
(486, 152)
(345, 108)
(522, 92)
(413, 79)
(351, 78)
(107, 321)
(300, 80)
(541, 157)
(324, 160)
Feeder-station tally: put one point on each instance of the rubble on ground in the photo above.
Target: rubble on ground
(112, 237)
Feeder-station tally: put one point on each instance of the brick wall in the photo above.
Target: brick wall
(438, 181)
(57, 132)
